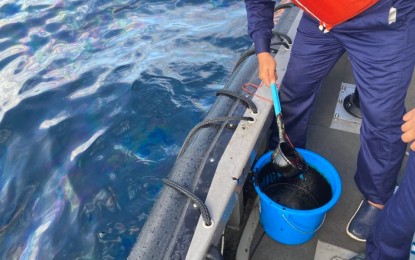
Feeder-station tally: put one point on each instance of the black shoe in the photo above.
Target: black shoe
(360, 225)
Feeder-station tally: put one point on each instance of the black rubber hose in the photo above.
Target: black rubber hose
(246, 100)
(282, 6)
(206, 123)
(200, 205)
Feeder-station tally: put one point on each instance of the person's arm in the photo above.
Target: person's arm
(260, 15)
(408, 128)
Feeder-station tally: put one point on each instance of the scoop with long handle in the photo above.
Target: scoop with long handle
(285, 159)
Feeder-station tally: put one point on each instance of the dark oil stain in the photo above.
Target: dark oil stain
(309, 190)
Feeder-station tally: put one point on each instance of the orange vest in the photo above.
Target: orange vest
(333, 12)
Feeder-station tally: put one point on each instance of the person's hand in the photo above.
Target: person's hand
(408, 128)
(267, 68)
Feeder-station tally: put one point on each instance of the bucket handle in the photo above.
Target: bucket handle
(302, 231)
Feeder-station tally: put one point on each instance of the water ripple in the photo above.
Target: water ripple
(91, 94)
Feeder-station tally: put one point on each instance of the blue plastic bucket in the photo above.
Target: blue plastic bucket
(292, 226)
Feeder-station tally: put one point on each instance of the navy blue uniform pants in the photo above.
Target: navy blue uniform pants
(382, 55)
(393, 233)
(381, 50)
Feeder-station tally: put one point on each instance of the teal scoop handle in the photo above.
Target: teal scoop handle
(275, 98)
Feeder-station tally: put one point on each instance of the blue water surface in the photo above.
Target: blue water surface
(96, 98)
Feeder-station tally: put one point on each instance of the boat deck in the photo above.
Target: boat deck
(340, 147)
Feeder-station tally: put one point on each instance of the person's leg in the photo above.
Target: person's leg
(382, 57)
(393, 233)
(313, 55)
(383, 63)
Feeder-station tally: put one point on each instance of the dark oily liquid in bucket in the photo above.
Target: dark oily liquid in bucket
(310, 190)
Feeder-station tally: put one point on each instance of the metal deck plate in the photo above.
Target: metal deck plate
(328, 251)
(343, 120)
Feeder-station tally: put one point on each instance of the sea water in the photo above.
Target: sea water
(96, 98)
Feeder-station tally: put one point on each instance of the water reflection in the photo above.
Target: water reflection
(91, 94)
